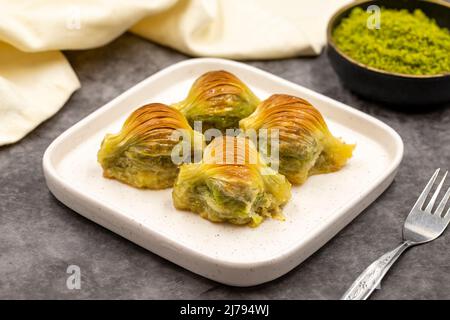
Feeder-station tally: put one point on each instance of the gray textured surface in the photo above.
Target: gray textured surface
(39, 237)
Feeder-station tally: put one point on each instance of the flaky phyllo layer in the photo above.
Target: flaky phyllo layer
(232, 183)
(306, 146)
(219, 100)
(141, 153)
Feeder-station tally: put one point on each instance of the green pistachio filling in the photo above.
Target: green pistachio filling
(142, 171)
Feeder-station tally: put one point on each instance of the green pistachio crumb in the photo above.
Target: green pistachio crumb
(406, 42)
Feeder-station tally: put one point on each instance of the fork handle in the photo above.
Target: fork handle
(368, 281)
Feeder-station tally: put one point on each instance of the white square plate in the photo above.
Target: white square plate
(234, 255)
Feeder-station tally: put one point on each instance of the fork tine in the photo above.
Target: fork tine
(435, 195)
(426, 191)
(442, 204)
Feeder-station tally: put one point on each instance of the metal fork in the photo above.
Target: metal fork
(421, 226)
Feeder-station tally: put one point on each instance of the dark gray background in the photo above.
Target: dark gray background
(40, 237)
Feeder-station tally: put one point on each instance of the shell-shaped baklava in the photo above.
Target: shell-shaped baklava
(306, 146)
(219, 100)
(232, 183)
(141, 153)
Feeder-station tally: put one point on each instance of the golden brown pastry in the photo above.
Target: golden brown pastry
(140, 154)
(218, 99)
(232, 183)
(306, 146)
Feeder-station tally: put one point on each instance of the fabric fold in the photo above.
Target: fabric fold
(33, 87)
(43, 25)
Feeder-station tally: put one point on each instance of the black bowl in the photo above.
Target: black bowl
(392, 88)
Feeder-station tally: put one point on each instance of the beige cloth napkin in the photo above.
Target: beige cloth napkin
(36, 80)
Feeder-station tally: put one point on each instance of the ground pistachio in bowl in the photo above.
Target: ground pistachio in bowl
(405, 42)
